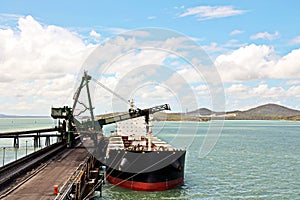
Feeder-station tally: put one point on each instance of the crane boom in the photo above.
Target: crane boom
(67, 114)
(134, 114)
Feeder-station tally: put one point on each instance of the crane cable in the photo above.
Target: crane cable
(106, 88)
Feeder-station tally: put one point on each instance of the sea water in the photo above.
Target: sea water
(7, 152)
(251, 160)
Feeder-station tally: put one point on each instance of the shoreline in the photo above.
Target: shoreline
(228, 120)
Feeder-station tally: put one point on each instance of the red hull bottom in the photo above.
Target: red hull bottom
(142, 186)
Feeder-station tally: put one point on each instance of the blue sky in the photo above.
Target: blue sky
(257, 17)
(254, 45)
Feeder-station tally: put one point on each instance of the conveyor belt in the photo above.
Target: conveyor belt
(56, 172)
(12, 170)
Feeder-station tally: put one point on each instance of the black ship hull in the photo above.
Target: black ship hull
(146, 170)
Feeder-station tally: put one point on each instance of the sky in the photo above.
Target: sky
(254, 46)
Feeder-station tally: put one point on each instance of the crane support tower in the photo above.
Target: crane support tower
(70, 128)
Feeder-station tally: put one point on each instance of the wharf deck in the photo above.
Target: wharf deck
(57, 172)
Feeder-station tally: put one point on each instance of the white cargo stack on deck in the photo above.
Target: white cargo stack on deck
(133, 128)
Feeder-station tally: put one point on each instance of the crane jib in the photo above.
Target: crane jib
(134, 114)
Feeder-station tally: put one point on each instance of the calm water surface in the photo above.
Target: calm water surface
(251, 160)
(19, 124)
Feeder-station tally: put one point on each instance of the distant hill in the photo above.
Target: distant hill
(264, 112)
(268, 111)
(201, 111)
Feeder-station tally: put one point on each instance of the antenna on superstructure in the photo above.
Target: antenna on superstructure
(131, 102)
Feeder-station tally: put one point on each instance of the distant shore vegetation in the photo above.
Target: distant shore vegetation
(264, 112)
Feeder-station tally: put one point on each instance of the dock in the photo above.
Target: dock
(57, 172)
(62, 170)
(66, 169)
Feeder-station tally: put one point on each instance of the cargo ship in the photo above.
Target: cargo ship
(133, 157)
(139, 161)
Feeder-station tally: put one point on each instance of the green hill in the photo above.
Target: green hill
(268, 112)
(264, 112)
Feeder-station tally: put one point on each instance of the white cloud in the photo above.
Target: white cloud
(288, 66)
(294, 91)
(127, 56)
(265, 35)
(296, 40)
(211, 12)
(246, 63)
(234, 43)
(115, 30)
(213, 47)
(151, 17)
(262, 92)
(190, 75)
(179, 7)
(293, 82)
(94, 34)
(38, 63)
(4, 17)
(202, 90)
(136, 33)
(236, 32)
(126, 63)
(257, 62)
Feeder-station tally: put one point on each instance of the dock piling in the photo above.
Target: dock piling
(16, 142)
(3, 156)
(26, 148)
(47, 141)
(16, 153)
